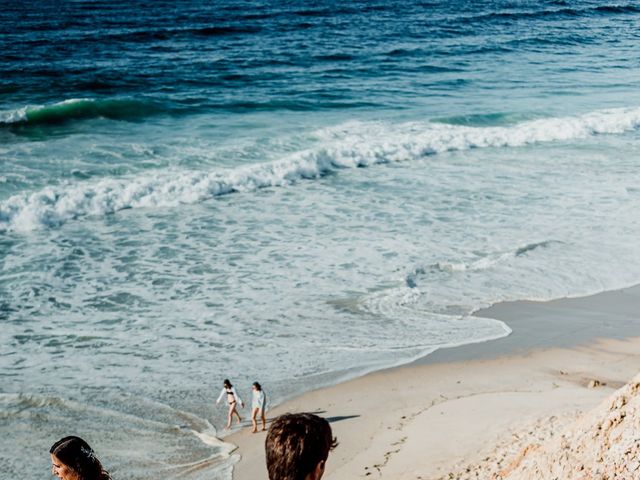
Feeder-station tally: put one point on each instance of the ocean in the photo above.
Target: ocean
(293, 193)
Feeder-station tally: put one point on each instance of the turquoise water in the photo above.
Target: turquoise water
(291, 194)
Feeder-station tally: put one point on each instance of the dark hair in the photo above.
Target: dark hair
(296, 443)
(257, 385)
(227, 383)
(76, 454)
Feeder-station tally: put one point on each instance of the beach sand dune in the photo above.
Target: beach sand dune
(602, 444)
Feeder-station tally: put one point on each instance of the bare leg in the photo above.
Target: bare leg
(232, 407)
(264, 420)
(254, 413)
(236, 412)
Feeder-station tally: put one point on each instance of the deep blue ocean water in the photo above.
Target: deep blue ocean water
(288, 192)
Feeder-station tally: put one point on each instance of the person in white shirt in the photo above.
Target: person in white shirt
(233, 399)
(258, 405)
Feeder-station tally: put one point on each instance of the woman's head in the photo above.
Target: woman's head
(257, 386)
(73, 459)
(227, 383)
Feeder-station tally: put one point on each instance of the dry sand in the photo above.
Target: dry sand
(602, 444)
(469, 412)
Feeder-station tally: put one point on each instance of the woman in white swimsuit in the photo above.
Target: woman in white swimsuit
(258, 405)
(233, 399)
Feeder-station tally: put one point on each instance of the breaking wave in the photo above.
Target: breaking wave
(350, 145)
(78, 109)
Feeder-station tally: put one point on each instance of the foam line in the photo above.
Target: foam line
(351, 145)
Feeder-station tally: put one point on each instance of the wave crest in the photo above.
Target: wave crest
(78, 109)
(350, 145)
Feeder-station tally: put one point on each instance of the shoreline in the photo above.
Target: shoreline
(452, 407)
(564, 322)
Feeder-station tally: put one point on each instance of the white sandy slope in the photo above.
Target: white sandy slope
(603, 444)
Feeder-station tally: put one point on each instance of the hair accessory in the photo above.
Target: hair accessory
(87, 452)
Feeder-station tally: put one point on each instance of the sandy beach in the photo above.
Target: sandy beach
(468, 412)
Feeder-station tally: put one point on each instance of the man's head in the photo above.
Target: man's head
(297, 447)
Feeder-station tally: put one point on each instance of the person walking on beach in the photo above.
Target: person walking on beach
(258, 405)
(73, 459)
(233, 399)
(297, 447)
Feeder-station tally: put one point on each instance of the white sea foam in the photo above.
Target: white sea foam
(408, 306)
(13, 116)
(351, 145)
(484, 262)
